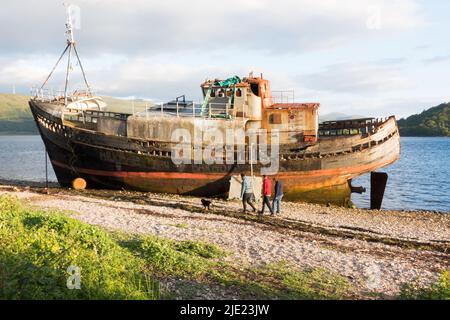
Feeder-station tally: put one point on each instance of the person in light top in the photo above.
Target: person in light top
(247, 195)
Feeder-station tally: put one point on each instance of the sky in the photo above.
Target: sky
(360, 57)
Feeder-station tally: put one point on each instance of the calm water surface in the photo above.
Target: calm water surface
(419, 180)
(23, 158)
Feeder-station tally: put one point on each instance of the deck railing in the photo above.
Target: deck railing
(51, 95)
(190, 109)
(157, 110)
(92, 116)
(350, 127)
(283, 96)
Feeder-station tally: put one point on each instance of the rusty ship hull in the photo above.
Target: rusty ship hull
(321, 173)
(90, 146)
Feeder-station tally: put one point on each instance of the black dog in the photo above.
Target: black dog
(206, 204)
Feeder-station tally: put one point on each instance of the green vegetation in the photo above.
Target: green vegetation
(203, 264)
(14, 107)
(430, 123)
(437, 291)
(166, 258)
(15, 115)
(37, 247)
(279, 280)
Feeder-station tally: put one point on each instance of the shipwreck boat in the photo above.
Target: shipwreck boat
(316, 162)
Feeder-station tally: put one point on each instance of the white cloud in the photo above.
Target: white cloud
(160, 49)
(160, 81)
(358, 78)
(137, 27)
(21, 72)
(437, 59)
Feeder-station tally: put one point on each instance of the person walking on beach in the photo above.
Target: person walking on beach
(267, 191)
(247, 195)
(277, 196)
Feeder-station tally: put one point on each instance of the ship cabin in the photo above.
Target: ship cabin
(252, 100)
(247, 104)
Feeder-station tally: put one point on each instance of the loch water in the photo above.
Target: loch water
(420, 180)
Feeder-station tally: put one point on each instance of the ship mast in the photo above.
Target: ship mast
(71, 45)
(70, 48)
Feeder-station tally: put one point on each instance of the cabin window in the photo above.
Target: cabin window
(229, 92)
(255, 89)
(275, 118)
(213, 94)
(238, 93)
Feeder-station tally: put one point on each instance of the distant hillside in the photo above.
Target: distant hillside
(14, 107)
(433, 122)
(15, 115)
(338, 116)
(16, 118)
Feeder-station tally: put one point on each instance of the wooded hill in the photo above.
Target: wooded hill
(433, 122)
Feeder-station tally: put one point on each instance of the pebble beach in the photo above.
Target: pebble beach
(377, 251)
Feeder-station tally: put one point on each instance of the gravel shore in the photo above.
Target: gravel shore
(377, 250)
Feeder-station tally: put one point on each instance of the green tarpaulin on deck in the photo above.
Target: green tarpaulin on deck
(229, 82)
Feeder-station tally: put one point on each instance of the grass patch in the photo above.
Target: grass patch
(185, 259)
(37, 247)
(437, 291)
(314, 283)
(201, 249)
(283, 281)
(200, 262)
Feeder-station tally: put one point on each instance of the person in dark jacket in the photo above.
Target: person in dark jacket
(247, 195)
(267, 192)
(278, 195)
